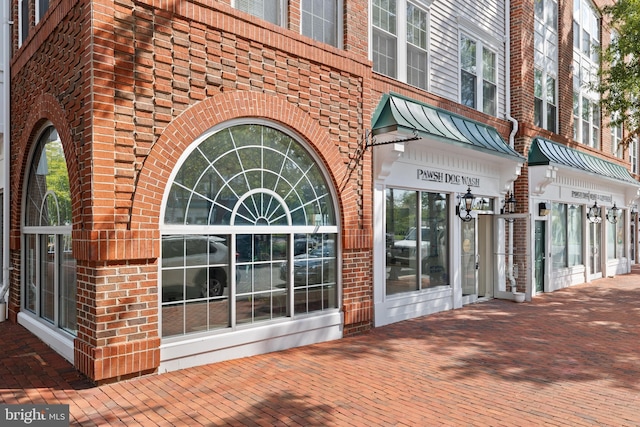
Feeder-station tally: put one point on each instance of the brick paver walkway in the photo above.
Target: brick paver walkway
(570, 358)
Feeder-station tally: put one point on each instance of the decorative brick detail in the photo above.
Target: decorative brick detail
(119, 361)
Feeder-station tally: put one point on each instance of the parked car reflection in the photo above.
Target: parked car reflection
(193, 266)
(313, 267)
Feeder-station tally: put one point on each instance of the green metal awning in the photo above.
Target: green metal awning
(398, 118)
(545, 152)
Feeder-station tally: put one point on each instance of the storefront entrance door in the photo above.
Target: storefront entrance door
(469, 261)
(540, 250)
(595, 257)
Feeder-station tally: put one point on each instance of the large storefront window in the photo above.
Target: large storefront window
(50, 268)
(249, 235)
(566, 235)
(405, 245)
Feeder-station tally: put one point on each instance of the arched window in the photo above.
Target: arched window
(249, 233)
(49, 281)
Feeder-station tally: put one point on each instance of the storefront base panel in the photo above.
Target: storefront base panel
(405, 307)
(204, 350)
(567, 277)
(55, 339)
(617, 266)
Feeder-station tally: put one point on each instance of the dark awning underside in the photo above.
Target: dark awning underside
(544, 152)
(397, 116)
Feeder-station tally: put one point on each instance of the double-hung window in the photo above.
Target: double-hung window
(616, 139)
(586, 108)
(478, 75)
(273, 11)
(400, 40)
(41, 8)
(546, 64)
(320, 19)
(23, 19)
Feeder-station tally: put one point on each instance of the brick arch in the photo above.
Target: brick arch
(45, 108)
(190, 125)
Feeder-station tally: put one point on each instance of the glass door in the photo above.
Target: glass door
(595, 257)
(469, 262)
(539, 255)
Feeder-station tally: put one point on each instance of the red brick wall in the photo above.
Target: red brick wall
(129, 92)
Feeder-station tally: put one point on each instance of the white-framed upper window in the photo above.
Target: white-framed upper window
(586, 102)
(273, 11)
(23, 20)
(321, 20)
(546, 64)
(41, 8)
(478, 75)
(400, 40)
(616, 139)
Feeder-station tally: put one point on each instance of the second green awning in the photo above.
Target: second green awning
(545, 152)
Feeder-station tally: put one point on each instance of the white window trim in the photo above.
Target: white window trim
(584, 61)
(401, 36)
(483, 40)
(549, 66)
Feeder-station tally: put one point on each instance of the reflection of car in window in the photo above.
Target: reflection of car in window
(402, 253)
(193, 267)
(313, 267)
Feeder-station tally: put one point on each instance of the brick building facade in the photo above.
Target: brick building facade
(132, 102)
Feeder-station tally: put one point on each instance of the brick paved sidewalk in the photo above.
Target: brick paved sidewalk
(570, 358)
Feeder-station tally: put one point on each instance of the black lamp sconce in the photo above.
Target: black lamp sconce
(466, 205)
(544, 208)
(593, 214)
(613, 214)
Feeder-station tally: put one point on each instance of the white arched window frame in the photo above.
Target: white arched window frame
(249, 232)
(49, 267)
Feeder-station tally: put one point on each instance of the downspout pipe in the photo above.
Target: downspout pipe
(507, 71)
(514, 122)
(4, 100)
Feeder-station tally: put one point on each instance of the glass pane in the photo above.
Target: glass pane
(489, 98)
(468, 89)
(620, 235)
(488, 66)
(401, 226)
(68, 292)
(213, 182)
(537, 83)
(468, 258)
(48, 178)
(558, 235)
(537, 112)
(47, 276)
(416, 67)
(434, 248)
(384, 15)
(468, 55)
(31, 289)
(384, 53)
(611, 240)
(574, 231)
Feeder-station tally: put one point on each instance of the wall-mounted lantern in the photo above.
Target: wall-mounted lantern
(466, 204)
(613, 214)
(544, 208)
(593, 214)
